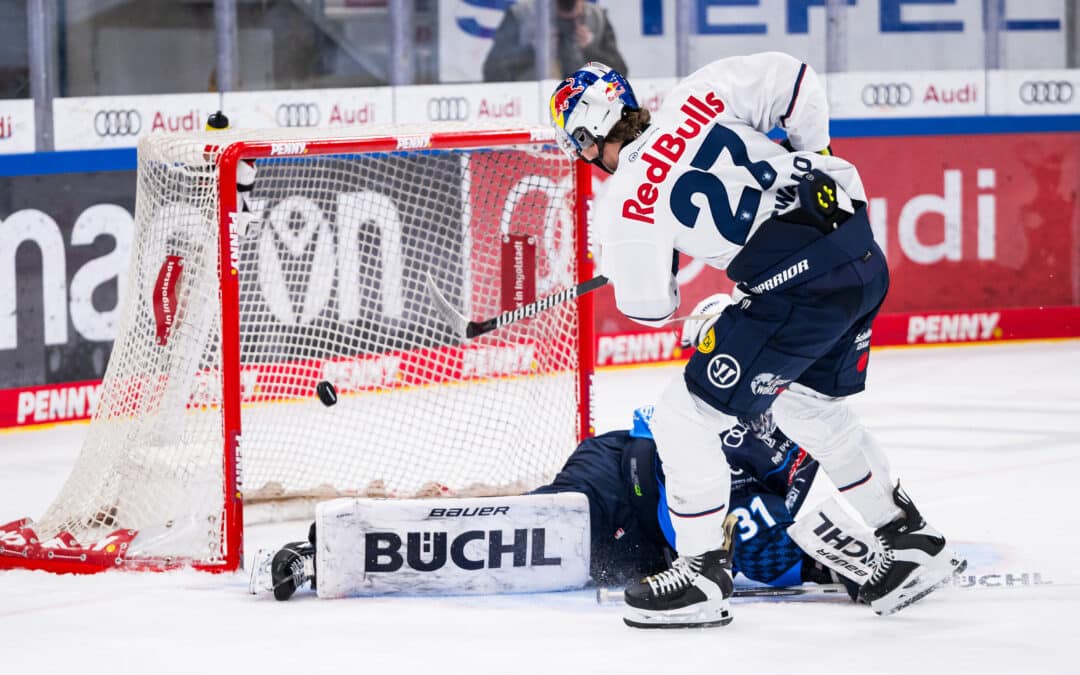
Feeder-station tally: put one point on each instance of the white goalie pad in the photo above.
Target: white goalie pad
(522, 544)
(829, 534)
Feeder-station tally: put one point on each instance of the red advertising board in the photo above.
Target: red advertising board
(970, 224)
(975, 222)
(982, 233)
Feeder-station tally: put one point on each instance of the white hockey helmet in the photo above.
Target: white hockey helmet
(586, 105)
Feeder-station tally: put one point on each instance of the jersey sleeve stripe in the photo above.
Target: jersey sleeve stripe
(857, 483)
(646, 319)
(699, 513)
(794, 96)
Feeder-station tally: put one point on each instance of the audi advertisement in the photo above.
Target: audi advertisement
(1037, 93)
(119, 121)
(310, 108)
(925, 94)
(509, 102)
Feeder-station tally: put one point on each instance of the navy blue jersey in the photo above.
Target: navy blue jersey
(622, 476)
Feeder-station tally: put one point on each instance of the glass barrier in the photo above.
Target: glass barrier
(107, 47)
(14, 51)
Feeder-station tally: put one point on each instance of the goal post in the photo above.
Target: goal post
(231, 317)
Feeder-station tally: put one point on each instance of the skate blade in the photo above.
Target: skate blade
(931, 577)
(638, 618)
(261, 580)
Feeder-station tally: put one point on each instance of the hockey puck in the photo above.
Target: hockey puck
(327, 393)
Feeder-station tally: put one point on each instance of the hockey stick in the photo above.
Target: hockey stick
(606, 595)
(960, 583)
(467, 329)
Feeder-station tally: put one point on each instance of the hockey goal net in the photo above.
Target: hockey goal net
(231, 319)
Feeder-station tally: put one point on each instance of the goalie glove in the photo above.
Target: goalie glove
(693, 330)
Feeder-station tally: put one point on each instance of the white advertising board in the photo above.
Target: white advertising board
(16, 126)
(493, 104)
(323, 108)
(951, 93)
(119, 121)
(1033, 92)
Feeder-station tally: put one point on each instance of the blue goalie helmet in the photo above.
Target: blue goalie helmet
(586, 105)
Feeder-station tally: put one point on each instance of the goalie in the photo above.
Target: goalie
(616, 478)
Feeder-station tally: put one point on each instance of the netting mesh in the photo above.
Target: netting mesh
(331, 271)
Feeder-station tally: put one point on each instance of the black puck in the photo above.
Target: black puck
(327, 393)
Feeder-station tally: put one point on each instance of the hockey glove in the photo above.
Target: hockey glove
(693, 330)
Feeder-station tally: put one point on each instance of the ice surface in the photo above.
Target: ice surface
(986, 440)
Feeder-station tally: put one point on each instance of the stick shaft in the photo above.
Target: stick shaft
(475, 328)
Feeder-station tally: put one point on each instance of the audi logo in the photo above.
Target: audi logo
(1039, 92)
(888, 95)
(447, 109)
(117, 123)
(297, 115)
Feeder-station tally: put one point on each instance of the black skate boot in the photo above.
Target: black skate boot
(292, 567)
(914, 562)
(693, 593)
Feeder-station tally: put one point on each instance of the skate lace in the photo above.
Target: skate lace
(298, 571)
(884, 562)
(679, 576)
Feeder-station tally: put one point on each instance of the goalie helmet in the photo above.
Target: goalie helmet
(586, 105)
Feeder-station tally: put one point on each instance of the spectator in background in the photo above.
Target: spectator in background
(582, 33)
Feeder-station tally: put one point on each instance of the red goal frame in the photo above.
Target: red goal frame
(230, 286)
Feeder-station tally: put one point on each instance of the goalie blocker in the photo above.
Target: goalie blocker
(522, 544)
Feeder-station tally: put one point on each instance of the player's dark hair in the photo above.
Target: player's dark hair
(628, 128)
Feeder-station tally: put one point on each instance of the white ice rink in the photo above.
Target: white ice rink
(986, 440)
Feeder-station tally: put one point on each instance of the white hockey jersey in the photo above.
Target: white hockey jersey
(704, 176)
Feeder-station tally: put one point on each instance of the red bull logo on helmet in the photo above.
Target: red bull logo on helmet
(561, 100)
(614, 90)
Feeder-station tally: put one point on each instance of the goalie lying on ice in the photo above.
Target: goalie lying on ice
(604, 516)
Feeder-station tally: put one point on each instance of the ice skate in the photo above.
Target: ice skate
(693, 593)
(913, 564)
(292, 567)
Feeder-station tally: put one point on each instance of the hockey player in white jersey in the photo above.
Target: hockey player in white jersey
(789, 225)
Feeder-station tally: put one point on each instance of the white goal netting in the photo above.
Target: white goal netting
(331, 271)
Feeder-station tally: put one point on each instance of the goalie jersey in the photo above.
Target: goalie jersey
(622, 476)
(704, 175)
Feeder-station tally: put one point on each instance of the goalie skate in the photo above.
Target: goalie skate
(284, 571)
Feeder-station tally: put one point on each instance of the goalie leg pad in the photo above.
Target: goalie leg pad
(523, 544)
(830, 535)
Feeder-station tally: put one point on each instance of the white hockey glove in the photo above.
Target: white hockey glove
(693, 330)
